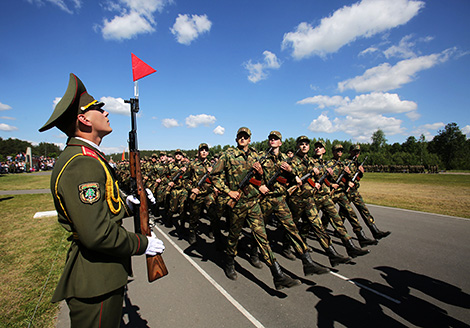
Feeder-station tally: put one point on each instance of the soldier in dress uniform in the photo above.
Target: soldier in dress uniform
(89, 205)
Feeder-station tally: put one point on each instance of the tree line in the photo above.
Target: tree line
(449, 149)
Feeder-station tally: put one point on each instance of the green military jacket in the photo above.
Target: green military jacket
(321, 165)
(172, 171)
(196, 171)
(354, 167)
(338, 166)
(234, 164)
(89, 205)
(300, 167)
(271, 166)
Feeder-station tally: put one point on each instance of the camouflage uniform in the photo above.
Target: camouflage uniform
(302, 204)
(275, 203)
(178, 193)
(205, 197)
(235, 163)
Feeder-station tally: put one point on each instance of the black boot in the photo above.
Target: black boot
(352, 249)
(281, 280)
(363, 240)
(254, 257)
(229, 267)
(377, 233)
(335, 257)
(287, 252)
(192, 237)
(311, 267)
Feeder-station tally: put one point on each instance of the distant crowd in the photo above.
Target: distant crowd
(19, 164)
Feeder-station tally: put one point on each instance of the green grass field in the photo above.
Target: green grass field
(24, 181)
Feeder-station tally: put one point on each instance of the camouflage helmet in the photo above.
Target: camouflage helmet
(244, 129)
(276, 134)
(302, 138)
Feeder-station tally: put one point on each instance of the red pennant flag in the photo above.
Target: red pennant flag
(139, 68)
(123, 157)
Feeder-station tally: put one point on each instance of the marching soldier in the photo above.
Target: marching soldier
(325, 204)
(235, 163)
(176, 190)
(338, 192)
(302, 203)
(277, 172)
(354, 195)
(89, 205)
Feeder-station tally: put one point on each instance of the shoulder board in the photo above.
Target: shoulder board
(89, 152)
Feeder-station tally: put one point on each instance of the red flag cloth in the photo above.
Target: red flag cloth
(123, 157)
(139, 68)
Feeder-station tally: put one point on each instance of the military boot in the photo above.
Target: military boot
(335, 258)
(287, 252)
(281, 280)
(254, 257)
(352, 249)
(377, 233)
(192, 237)
(363, 240)
(310, 267)
(229, 267)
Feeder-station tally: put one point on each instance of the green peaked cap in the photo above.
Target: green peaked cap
(75, 100)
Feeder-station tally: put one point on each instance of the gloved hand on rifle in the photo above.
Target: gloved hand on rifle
(131, 200)
(155, 245)
(150, 196)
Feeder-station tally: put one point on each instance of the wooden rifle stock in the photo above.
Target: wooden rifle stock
(156, 268)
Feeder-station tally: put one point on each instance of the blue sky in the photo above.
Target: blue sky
(326, 69)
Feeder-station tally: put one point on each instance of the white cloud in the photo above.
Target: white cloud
(116, 106)
(4, 107)
(426, 130)
(135, 17)
(413, 115)
(322, 124)
(170, 123)
(6, 127)
(325, 101)
(360, 20)
(62, 4)
(7, 118)
(193, 121)
(219, 130)
(385, 77)
(257, 71)
(466, 130)
(187, 29)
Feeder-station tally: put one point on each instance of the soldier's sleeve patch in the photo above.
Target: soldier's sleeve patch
(89, 192)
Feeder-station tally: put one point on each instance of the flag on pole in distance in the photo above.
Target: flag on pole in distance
(139, 68)
(123, 157)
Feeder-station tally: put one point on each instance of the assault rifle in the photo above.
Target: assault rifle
(205, 178)
(246, 180)
(341, 176)
(175, 177)
(356, 176)
(307, 177)
(155, 266)
(278, 173)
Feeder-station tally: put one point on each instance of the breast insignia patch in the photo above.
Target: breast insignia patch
(89, 192)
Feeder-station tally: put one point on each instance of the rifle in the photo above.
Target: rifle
(205, 178)
(232, 202)
(175, 177)
(356, 175)
(278, 173)
(341, 176)
(155, 266)
(307, 177)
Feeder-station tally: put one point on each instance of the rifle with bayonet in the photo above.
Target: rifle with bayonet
(155, 266)
(246, 180)
(356, 176)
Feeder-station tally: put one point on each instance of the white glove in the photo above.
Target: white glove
(131, 200)
(155, 245)
(150, 196)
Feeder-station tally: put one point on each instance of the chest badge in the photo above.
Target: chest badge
(89, 192)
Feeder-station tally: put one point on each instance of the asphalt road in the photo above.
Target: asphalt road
(416, 277)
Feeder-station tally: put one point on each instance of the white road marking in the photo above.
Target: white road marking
(365, 287)
(229, 297)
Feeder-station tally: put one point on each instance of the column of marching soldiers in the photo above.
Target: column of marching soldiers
(245, 189)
